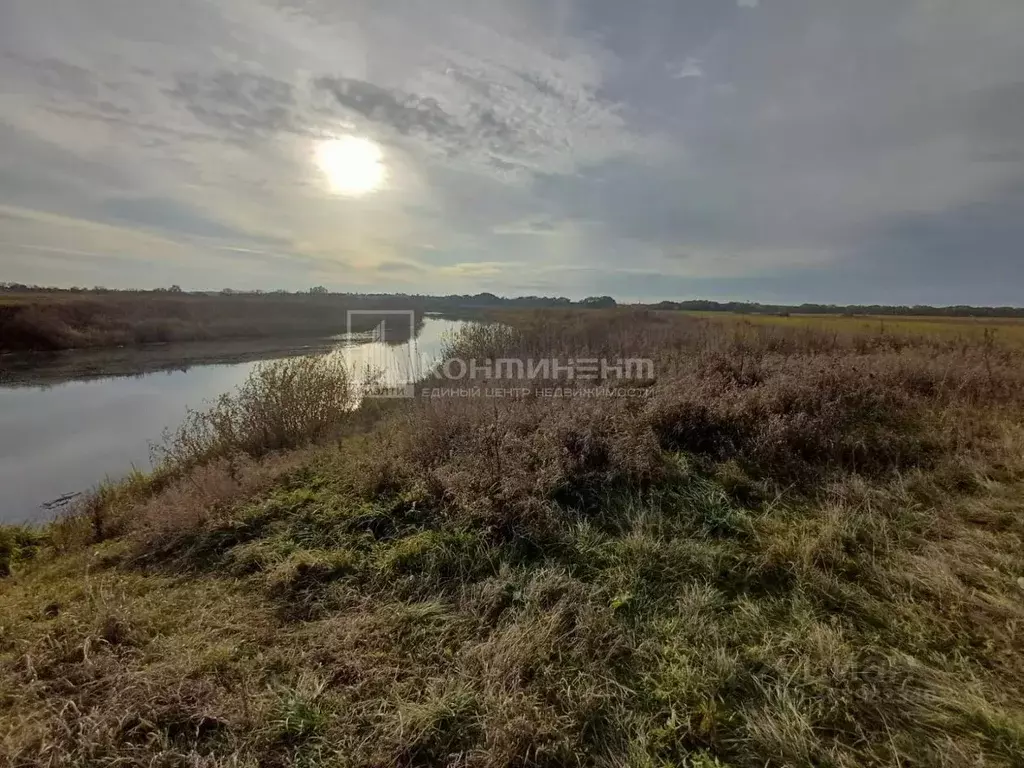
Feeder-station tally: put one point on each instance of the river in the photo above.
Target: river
(68, 421)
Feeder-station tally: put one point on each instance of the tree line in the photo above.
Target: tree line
(490, 300)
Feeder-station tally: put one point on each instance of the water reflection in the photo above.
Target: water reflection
(82, 416)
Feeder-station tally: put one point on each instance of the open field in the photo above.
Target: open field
(795, 543)
(968, 330)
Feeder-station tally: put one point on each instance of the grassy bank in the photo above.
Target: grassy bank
(55, 321)
(788, 547)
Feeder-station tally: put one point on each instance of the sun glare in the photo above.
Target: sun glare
(351, 164)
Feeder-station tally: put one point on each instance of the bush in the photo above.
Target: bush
(283, 404)
(793, 418)
(16, 544)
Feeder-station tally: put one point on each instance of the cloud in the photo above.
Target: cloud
(499, 121)
(689, 68)
(675, 146)
(167, 215)
(536, 226)
(478, 268)
(241, 104)
(399, 267)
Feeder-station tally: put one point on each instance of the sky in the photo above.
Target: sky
(839, 151)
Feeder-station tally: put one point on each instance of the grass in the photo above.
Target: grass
(49, 321)
(797, 549)
(971, 331)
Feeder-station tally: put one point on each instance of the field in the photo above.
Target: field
(798, 541)
(967, 330)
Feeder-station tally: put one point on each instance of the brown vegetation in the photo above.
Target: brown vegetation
(47, 322)
(786, 548)
(282, 405)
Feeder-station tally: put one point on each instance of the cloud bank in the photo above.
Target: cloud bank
(785, 150)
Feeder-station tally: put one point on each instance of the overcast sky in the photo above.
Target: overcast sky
(776, 150)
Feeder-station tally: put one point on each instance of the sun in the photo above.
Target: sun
(353, 165)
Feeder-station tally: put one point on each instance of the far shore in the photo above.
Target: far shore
(63, 320)
(29, 369)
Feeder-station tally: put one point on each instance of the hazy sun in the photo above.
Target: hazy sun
(351, 164)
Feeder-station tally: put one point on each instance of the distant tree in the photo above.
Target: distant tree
(598, 302)
(174, 289)
(319, 289)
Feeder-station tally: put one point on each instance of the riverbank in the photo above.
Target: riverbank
(86, 414)
(47, 322)
(35, 369)
(786, 547)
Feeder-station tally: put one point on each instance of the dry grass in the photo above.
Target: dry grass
(797, 548)
(971, 331)
(282, 404)
(53, 321)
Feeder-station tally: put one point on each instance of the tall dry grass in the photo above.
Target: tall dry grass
(787, 404)
(786, 548)
(282, 404)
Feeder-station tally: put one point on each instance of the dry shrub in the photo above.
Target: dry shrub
(480, 341)
(283, 404)
(35, 328)
(219, 456)
(504, 463)
(788, 402)
(783, 405)
(793, 418)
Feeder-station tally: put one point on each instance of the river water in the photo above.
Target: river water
(68, 421)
